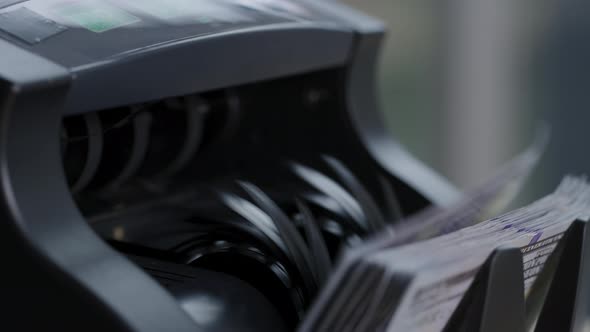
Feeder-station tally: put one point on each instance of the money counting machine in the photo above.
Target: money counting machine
(188, 165)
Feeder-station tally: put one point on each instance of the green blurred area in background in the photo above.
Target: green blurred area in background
(424, 74)
(408, 72)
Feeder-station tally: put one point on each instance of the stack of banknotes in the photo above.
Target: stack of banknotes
(413, 276)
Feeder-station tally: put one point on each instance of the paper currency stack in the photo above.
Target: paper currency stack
(422, 274)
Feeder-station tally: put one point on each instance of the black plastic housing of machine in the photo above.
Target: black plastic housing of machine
(99, 158)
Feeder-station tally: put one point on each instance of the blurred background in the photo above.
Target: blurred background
(464, 83)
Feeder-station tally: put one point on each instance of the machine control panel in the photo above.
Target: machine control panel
(77, 33)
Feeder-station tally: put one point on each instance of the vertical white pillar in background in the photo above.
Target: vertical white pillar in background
(481, 86)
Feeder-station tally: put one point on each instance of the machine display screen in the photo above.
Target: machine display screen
(78, 32)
